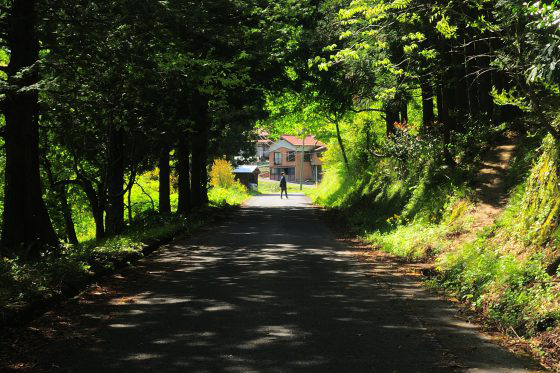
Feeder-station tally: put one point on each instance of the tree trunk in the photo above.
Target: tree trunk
(67, 214)
(26, 223)
(404, 113)
(391, 116)
(114, 218)
(447, 122)
(427, 103)
(97, 206)
(439, 102)
(449, 103)
(164, 184)
(183, 171)
(341, 144)
(446, 142)
(461, 91)
(199, 174)
(59, 189)
(484, 79)
(472, 81)
(129, 205)
(61, 194)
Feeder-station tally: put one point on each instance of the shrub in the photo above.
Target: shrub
(234, 195)
(221, 175)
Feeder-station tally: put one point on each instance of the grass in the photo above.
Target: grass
(26, 282)
(413, 241)
(273, 187)
(427, 214)
(23, 282)
(505, 272)
(233, 196)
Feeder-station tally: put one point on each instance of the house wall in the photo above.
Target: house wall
(307, 166)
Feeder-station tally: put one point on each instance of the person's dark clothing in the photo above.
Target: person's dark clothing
(283, 187)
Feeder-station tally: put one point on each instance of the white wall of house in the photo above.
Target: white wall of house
(282, 144)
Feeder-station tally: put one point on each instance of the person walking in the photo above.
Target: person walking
(283, 186)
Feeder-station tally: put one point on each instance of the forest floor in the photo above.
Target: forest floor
(270, 290)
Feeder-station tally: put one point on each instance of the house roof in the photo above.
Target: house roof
(297, 141)
(246, 169)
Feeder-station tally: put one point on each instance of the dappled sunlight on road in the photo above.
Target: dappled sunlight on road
(272, 291)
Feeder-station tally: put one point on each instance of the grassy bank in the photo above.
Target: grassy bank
(28, 284)
(507, 271)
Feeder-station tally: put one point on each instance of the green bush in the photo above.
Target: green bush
(233, 195)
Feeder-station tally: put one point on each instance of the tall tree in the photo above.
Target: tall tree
(26, 226)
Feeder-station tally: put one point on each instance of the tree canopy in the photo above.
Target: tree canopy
(96, 93)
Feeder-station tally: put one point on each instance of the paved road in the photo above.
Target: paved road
(270, 291)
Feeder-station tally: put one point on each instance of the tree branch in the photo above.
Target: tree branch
(68, 182)
(357, 111)
(376, 155)
(146, 193)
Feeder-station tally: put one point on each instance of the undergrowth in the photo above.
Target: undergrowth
(233, 195)
(506, 273)
(25, 282)
(507, 270)
(22, 282)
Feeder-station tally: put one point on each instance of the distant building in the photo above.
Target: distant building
(285, 156)
(247, 174)
(263, 146)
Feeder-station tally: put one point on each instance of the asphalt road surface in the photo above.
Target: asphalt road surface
(271, 290)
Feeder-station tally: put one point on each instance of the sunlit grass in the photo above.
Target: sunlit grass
(273, 187)
(44, 279)
(232, 196)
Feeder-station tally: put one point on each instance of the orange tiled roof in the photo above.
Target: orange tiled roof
(297, 141)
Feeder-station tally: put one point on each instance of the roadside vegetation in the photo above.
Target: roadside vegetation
(32, 283)
(507, 270)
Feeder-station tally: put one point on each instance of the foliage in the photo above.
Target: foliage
(221, 174)
(233, 196)
(512, 292)
(503, 271)
(24, 282)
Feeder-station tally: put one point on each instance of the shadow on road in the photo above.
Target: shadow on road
(271, 291)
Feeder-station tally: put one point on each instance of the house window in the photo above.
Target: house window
(307, 157)
(277, 158)
(291, 156)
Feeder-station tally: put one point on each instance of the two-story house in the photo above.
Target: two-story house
(285, 156)
(263, 146)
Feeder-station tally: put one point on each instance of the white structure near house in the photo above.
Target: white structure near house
(263, 146)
